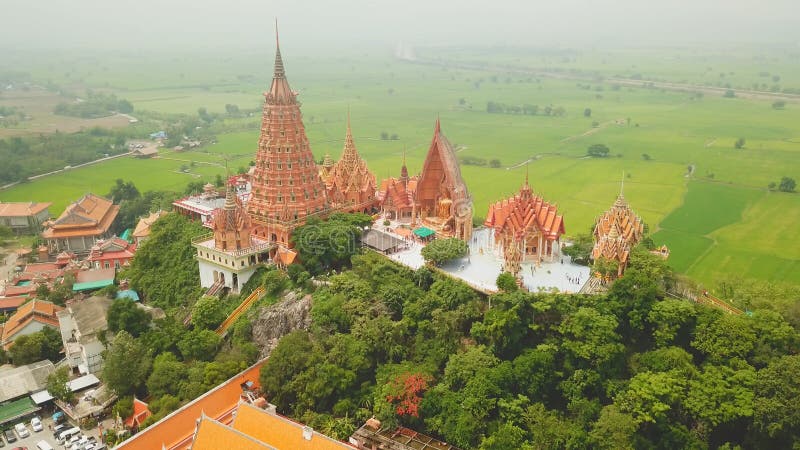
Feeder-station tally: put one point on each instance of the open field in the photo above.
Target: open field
(720, 219)
(38, 104)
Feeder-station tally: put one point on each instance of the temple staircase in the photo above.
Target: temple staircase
(215, 288)
(241, 309)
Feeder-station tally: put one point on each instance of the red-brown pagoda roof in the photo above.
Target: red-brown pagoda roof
(522, 211)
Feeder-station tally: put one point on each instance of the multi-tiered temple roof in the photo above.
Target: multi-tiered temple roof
(231, 224)
(287, 187)
(617, 231)
(350, 184)
(525, 227)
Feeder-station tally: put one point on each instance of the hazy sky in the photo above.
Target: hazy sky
(335, 23)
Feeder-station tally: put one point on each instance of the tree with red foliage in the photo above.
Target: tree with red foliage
(406, 392)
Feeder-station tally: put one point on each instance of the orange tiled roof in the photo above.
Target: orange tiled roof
(35, 310)
(518, 214)
(90, 216)
(279, 432)
(176, 430)
(143, 226)
(212, 435)
(22, 209)
(12, 303)
(141, 412)
(397, 194)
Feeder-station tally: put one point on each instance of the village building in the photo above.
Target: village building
(396, 196)
(24, 218)
(94, 279)
(229, 256)
(287, 187)
(616, 232)
(81, 225)
(30, 318)
(81, 323)
(349, 184)
(525, 228)
(111, 253)
(22, 381)
(142, 230)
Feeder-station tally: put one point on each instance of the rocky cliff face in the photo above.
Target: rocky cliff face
(273, 322)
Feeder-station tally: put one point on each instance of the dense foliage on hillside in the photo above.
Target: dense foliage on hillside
(164, 269)
(630, 369)
(23, 157)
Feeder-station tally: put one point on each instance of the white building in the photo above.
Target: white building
(229, 256)
(81, 324)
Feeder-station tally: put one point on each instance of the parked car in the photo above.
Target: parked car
(22, 430)
(59, 417)
(10, 436)
(36, 424)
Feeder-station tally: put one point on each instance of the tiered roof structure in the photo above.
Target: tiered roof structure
(287, 187)
(617, 231)
(82, 223)
(114, 252)
(231, 224)
(441, 198)
(525, 227)
(350, 185)
(142, 230)
(396, 195)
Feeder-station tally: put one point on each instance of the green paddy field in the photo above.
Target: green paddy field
(705, 199)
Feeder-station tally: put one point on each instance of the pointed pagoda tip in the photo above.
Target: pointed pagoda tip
(279, 70)
(622, 184)
(438, 127)
(277, 36)
(348, 119)
(526, 174)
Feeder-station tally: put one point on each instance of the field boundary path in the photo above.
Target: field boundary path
(241, 309)
(42, 175)
(629, 82)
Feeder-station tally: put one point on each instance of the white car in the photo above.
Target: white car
(36, 424)
(22, 430)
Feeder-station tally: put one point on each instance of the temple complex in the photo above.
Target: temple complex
(525, 228)
(349, 184)
(287, 188)
(617, 231)
(229, 255)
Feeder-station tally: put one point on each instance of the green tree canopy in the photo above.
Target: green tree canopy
(443, 250)
(127, 364)
(45, 344)
(57, 384)
(208, 313)
(125, 314)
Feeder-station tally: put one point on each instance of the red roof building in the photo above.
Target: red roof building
(526, 227)
(112, 253)
(396, 195)
(30, 318)
(81, 225)
(287, 187)
(141, 412)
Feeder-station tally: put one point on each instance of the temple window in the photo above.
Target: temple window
(280, 199)
(283, 133)
(280, 182)
(280, 166)
(293, 198)
(291, 181)
(289, 165)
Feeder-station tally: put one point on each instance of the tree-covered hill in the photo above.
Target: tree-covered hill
(629, 369)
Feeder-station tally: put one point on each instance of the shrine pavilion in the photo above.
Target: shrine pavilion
(525, 228)
(616, 232)
(350, 186)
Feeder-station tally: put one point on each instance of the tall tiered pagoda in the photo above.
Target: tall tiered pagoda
(441, 199)
(287, 188)
(350, 185)
(525, 228)
(616, 232)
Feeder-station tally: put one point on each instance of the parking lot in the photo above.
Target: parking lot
(35, 436)
(46, 434)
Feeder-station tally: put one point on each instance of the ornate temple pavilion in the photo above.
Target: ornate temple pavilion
(396, 195)
(616, 232)
(350, 185)
(525, 228)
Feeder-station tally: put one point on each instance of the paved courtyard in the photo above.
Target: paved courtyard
(484, 263)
